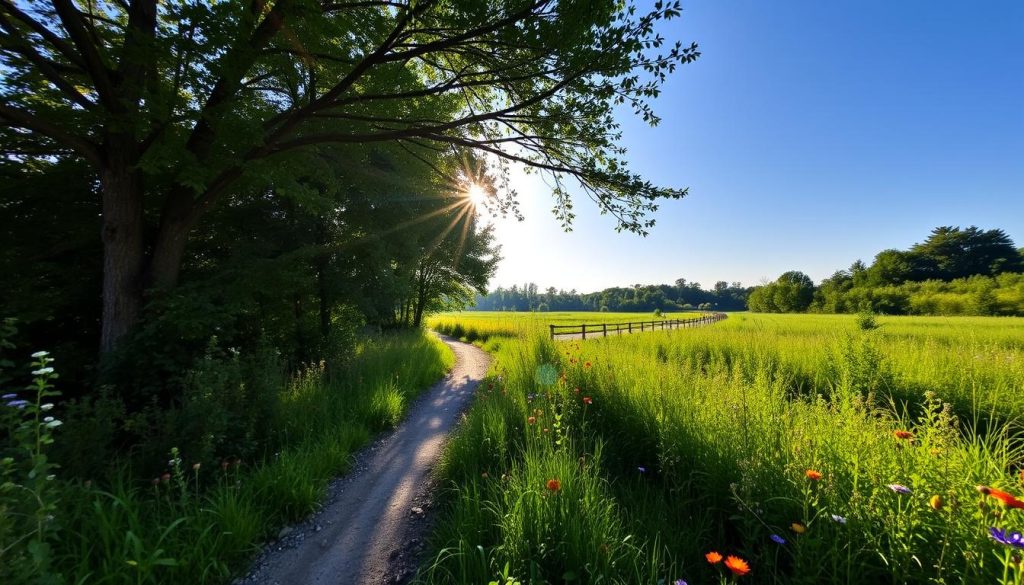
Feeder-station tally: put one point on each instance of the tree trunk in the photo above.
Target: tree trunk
(421, 299)
(322, 263)
(176, 219)
(123, 246)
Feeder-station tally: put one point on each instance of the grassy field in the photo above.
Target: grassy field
(481, 325)
(812, 449)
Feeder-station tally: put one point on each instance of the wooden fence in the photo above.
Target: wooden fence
(603, 329)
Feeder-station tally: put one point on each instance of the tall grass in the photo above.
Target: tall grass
(202, 520)
(700, 440)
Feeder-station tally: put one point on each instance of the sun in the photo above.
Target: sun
(476, 194)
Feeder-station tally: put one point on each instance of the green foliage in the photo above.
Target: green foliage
(29, 494)
(202, 509)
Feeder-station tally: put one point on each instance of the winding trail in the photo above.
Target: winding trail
(372, 523)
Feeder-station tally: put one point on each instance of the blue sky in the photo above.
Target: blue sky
(810, 134)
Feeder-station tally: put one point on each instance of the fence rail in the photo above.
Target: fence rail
(603, 329)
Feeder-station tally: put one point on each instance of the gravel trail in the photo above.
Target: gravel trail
(374, 520)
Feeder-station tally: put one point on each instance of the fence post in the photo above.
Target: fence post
(630, 325)
(604, 329)
(552, 332)
(584, 331)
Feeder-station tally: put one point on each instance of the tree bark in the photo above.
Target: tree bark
(123, 245)
(421, 298)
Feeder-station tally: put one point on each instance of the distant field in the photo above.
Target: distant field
(700, 440)
(474, 325)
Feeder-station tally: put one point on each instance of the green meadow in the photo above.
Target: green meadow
(809, 448)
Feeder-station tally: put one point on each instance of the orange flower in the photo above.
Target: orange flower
(531, 420)
(738, 566)
(798, 528)
(903, 434)
(586, 365)
(813, 474)
(713, 557)
(554, 485)
(588, 400)
(1005, 498)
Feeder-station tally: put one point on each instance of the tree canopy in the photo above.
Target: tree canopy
(180, 107)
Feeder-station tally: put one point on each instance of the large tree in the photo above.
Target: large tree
(177, 104)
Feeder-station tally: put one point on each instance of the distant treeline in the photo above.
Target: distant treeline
(953, 272)
(681, 296)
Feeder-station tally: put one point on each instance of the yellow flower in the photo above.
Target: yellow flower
(935, 502)
(798, 528)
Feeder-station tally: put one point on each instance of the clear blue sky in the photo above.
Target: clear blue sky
(810, 134)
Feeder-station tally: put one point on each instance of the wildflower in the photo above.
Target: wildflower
(1005, 498)
(903, 435)
(935, 502)
(713, 557)
(798, 528)
(9, 396)
(47, 406)
(48, 419)
(531, 420)
(642, 469)
(484, 475)
(679, 582)
(18, 403)
(196, 466)
(588, 400)
(40, 354)
(42, 371)
(738, 566)
(554, 485)
(545, 430)
(777, 539)
(586, 365)
(935, 451)
(899, 489)
(1015, 539)
(813, 475)
(838, 519)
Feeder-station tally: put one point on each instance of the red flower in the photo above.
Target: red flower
(588, 400)
(554, 485)
(713, 557)
(1005, 498)
(903, 434)
(738, 566)
(813, 475)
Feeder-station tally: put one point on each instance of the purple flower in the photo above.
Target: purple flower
(842, 519)
(642, 469)
(679, 582)
(9, 396)
(1015, 539)
(17, 403)
(899, 489)
(777, 539)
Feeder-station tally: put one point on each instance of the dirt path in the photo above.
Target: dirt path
(373, 522)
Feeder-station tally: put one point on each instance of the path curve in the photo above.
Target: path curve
(372, 524)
